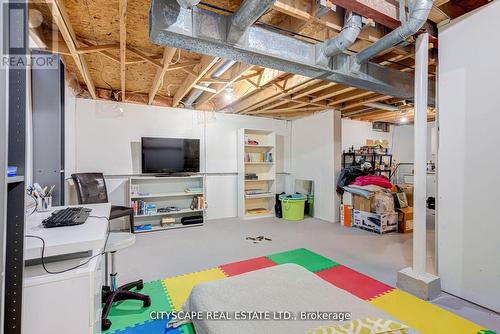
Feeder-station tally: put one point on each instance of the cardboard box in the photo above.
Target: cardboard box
(346, 215)
(361, 203)
(405, 220)
(408, 190)
(373, 222)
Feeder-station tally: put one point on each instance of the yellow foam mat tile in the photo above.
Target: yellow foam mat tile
(421, 315)
(179, 287)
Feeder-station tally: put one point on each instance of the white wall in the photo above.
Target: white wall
(400, 138)
(469, 118)
(357, 132)
(108, 140)
(313, 158)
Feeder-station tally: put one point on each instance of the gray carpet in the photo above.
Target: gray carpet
(167, 253)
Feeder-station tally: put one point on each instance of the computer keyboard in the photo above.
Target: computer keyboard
(67, 217)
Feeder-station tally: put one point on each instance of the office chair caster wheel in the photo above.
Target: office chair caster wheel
(106, 324)
(147, 302)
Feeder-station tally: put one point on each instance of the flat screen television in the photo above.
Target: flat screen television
(170, 155)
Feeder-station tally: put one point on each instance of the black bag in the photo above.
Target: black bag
(277, 207)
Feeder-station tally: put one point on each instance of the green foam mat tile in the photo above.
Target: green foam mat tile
(130, 312)
(305, 258)
(187, 329)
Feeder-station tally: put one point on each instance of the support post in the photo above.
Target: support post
(416, 280)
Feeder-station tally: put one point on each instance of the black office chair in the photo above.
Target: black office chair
(91, 189)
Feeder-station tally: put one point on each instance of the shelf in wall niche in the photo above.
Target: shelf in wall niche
(259, 146)
(267, 195)
(15, 179)
(261, 180)
(164, 228)
(159, 214)
(158, 195)
(260, 163)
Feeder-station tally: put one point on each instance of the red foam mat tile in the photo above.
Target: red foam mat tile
(354, 282)
(241, 267)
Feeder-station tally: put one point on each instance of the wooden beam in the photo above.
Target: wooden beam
(291, 85)
(144, 56)
(97, 48)
(206, 89)
(136, 98)
(205, 64)
(61, 19)
(374, 97)
(345, 97)
(123, 44)
(234, 73)
(381, 11)
(332, 92)
(168, 54)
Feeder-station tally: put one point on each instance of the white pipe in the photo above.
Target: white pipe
(382, 106)
(420, 158)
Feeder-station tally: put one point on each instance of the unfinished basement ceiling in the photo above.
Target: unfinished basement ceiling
(106, 48)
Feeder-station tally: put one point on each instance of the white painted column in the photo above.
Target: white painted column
(337, 156)
(420, 158)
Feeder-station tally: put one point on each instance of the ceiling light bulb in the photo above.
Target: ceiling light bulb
(403, 119)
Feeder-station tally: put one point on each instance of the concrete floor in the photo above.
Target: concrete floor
(167, 253)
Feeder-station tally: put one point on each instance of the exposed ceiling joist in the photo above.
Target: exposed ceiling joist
(205, 64)
(168, 54)
(61, 20)
(234, 73)
(123, 44)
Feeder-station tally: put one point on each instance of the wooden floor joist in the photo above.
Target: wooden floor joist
(205, 64)
(61, 20)
(123, 44)
(168, 54)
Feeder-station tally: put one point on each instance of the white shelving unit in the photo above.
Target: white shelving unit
(256, 155)
(166, 192)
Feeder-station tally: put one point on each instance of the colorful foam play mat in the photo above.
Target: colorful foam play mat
(169, 294)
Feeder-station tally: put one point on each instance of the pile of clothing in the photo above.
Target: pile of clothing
(377, 188)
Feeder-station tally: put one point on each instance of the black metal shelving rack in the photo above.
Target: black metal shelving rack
(12, 153)
(349, 158)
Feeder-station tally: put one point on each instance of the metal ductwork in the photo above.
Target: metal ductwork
(346, 38)
(188, 4)
(195, 94)
(419, 12)
(248, 13)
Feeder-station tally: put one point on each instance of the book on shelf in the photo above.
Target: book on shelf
(258, 157)
(198, 203)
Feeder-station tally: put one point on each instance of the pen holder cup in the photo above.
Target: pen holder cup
(44, 203)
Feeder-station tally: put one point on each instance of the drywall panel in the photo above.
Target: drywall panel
(468, 215)
(107, 135)
(355, 133)
(312, 158)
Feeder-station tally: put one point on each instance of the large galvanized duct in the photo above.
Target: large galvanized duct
(188, 4)
(196, 93)
(346, 37)
(419, 13)
(337, 45)
(248, 13)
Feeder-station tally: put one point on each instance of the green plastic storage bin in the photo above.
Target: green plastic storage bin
(293, 206)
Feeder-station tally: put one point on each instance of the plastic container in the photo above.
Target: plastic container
(293, 206)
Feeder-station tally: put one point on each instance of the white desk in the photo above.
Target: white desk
(69, 302)
(68, 239)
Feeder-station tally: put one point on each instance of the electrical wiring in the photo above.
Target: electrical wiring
(44, 266)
